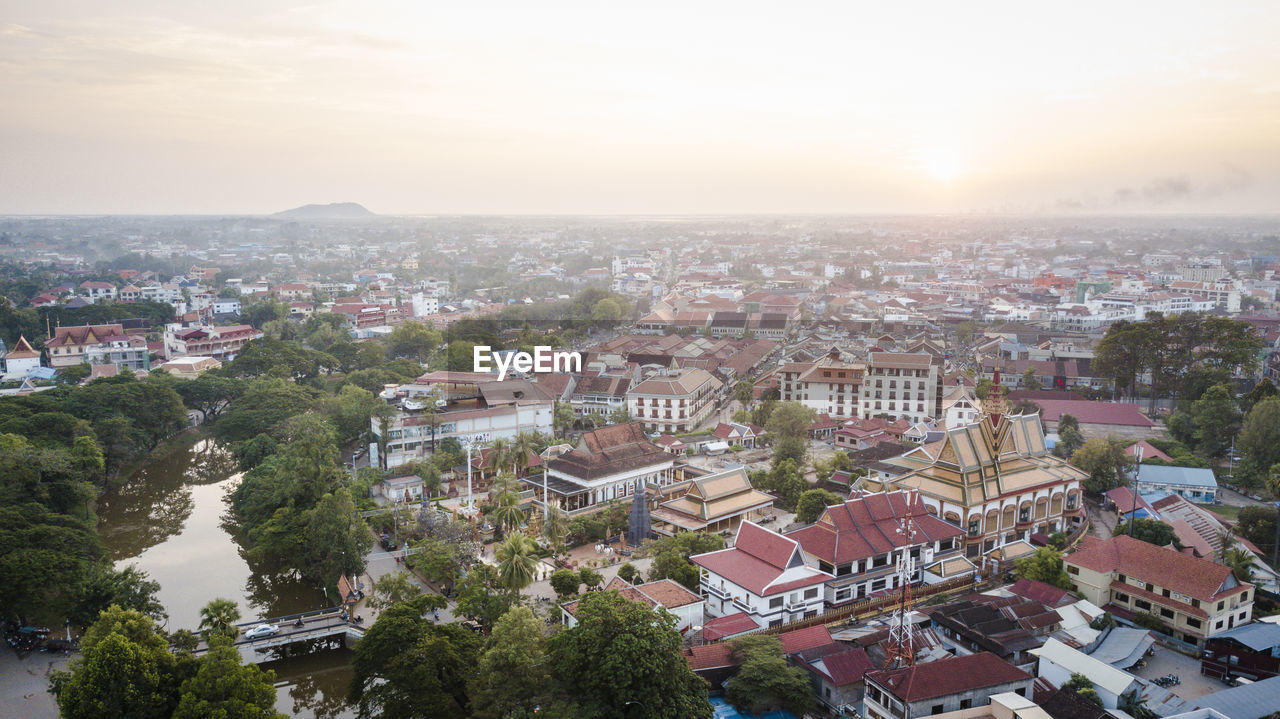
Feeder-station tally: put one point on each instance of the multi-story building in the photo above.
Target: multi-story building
(901, 384)
(675, 402)
(608, 464)
(603, 394)
(217, 342)
(468, 406)
(97, 344)
(98, 291)
(995, 478)
(1194, 598)
(827, 385)
(763, 575)
(859, 543)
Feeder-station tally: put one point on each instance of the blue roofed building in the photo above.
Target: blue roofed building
(1193, 483)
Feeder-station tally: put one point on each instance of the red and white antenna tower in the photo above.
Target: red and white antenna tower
(900, 652)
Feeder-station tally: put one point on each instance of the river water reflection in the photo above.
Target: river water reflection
(168, 520)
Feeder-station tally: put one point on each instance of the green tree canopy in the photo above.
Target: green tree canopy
(1044, 565)
(813, 502)
(620, 652)
(765, 681)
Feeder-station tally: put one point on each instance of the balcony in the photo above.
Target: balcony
(715, 591)
(794, 607)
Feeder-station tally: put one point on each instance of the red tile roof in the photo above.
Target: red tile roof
(710, 656)
(762, 562)
(842, 667)
(947, 676)
(867, 526)
(1183, 573)
(727, 626)
(798, 640)
(1088, 412)
(1046, 594)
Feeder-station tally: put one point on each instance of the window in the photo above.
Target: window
(775, 603)
(1193, 622)
(1220, 605)
(1142, 604)
(1166, 613)
(966, 703)
(1072, 569)
(936, 709)
(1122, 597)
(811, 593)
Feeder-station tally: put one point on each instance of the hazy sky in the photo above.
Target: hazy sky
(249, 106)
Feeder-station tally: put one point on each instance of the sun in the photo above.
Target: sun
(943, 166)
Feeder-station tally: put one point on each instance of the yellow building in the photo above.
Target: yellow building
(996, 479)
(1194, 598)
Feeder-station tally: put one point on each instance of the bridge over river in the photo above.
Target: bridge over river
(316, 626)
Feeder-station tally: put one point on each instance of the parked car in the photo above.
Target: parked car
(262, 630)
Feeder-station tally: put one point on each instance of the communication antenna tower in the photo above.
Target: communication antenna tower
(901, 653)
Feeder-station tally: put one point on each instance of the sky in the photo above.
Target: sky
(255, 106)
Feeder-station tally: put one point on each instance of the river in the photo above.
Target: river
(167, 519)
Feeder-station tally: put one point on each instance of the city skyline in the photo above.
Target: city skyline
(151, 108)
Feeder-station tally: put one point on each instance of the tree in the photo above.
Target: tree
(512, 676)
(1069, 437)
(392, 589)
(1263, 390)
(790, 419)
(1215, 420)
(1044, 565)
(218, 619)
(813, 503)
(1151, 531)
(619, 416)
(407, 666)
(982, 388)
(565, 582)
(507, 513)
(562, 418)
(127, 588)
(124, 669)
(1030, 380)
(555, 527)
(743, 392)
(1241, 562)
(413, 340)
(516, 562)
(627, 572)
(1120, 354)
(622, 661)
(225, 688)
(1083, 686)
(765, 682)
(671, 556)
(482, 596)
(794, 449)
(1104, 461)
(1259, 441)
(590, 577)
(336, 540)
(1257, 524)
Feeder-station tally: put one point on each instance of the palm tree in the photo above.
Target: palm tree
(505, 483)
(219, 617)
(1241, 563)
(555, 527)
(507, 513)
(516, 562)
(499, 454)
(524, 445)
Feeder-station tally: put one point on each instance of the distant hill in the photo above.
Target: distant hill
(331, 211)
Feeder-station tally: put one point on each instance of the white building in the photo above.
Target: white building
(828, 385)
(675, 402)
(764, 575)
(425, 304)
(901, 385)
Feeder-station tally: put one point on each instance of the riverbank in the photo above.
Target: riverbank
(24, 684)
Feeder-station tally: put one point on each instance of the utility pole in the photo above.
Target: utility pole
(1137, 469)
